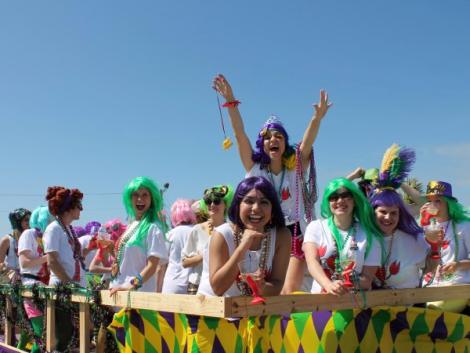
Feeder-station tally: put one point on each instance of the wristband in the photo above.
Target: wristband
(137, 281)
(231, 104)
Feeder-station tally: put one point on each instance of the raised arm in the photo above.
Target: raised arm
(221, 85)
(311, 132)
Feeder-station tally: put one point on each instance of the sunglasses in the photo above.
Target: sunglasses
(215, 200)
(343, 195)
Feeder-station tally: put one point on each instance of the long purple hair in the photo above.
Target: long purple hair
(390, 198)
(259, 156)
(260, 184)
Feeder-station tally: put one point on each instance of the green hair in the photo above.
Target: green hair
(457, 212)
(363, 211)
(227, 198)
(153, 214)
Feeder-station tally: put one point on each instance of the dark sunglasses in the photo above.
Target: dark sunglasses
(343, 195)
(216, 201)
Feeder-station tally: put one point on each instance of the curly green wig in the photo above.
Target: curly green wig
(457, 212)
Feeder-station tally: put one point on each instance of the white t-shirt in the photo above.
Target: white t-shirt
(56, 240)
(251, 259)
(448, 254)
(319, 233)
(176, 276)
(135, 258)
(28, 241)
(196, 243)
(407, 258)
(84, 242)
(11, 260)
(285, 187)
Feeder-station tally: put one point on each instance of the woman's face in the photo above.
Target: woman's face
(341, 203)
(274, 144)
(141, 202)
(440, 204)
(387, 218)
(75, 212)
(25, 222)
(255, 210)
(215, 205)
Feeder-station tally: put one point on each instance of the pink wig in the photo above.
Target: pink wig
(182, 213)
(115, 228)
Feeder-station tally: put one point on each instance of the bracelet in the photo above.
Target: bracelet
(232, 104)
(137, 281)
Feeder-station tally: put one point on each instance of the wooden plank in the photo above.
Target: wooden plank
(6, 348)
(9, 328)
(174, 303)
(84, 327)
(241, 307)
(50, 325)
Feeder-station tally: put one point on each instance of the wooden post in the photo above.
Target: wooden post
(50, 325)
(9, 328)
(84, 328)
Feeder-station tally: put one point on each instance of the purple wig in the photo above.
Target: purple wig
(260, 184)
(390, 198)
(259, 156)
(79, 231)
(92, 227)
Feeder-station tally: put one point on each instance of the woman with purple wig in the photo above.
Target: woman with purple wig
(406, 252)
(285, 167)
(255, 236)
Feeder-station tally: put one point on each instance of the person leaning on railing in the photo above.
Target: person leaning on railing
(248, 244)
(64, 253)
(142, 245)
(343, 250)
(33, 267)
(453, 219)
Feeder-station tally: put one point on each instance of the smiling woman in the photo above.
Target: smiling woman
(248, 244)
(341, 250)
(142, 245)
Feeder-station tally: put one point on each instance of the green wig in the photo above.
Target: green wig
(154, 213)
(224, 192)
(363, 211)
(457, 212)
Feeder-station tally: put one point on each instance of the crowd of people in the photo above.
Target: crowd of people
(261, 238)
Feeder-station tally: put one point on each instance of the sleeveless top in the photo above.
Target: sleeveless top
(251, 256)
(11, 260)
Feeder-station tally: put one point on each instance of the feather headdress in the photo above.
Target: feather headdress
(396, 165)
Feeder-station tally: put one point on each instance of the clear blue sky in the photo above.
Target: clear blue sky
(93, 93)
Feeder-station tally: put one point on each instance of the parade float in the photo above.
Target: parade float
(374, 321)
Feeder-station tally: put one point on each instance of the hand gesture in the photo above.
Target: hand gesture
(336, 288)
(449, 268)
(322, 108)
(221, 85)
(250, 235)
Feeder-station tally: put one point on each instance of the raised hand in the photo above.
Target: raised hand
(322, 107)
(221, 85)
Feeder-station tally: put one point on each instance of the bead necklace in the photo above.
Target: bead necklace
(76, 249)
(120, 250)
(265, 247)
(340, 242)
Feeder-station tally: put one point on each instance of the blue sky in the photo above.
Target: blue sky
(93, 93)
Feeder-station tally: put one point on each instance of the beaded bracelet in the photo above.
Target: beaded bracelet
(137, 281)
(231, 104)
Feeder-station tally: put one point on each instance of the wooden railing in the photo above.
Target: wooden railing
(221, 307)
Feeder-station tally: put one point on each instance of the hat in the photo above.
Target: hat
(371, 174)
(439, 188)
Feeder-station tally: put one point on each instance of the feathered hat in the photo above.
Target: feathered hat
(396, 165)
